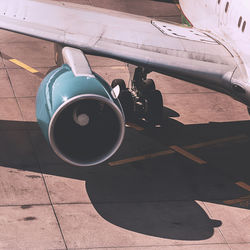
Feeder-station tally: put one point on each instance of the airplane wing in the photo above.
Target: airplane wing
(168, 48)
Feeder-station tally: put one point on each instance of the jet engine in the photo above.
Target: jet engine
(79, 113)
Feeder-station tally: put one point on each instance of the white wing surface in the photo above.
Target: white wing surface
(168, 48)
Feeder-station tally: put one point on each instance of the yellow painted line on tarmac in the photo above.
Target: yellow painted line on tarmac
(239, 200)
(188, 155)
(141, 158)
(170, 151)
(218, 141)
(134, 126)
(23, 65)
(243, 185)
(118, 67)
(244, 201)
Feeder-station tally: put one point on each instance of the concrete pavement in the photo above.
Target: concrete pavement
(164, 202)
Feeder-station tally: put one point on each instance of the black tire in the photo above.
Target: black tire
(119, 82)
(127, 103)
(154, 107)
(149, 85)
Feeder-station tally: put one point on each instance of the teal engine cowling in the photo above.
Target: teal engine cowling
(81, 119)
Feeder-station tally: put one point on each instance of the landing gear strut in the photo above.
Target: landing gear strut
(141, 100)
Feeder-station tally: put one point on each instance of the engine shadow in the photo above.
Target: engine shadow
(158, 197)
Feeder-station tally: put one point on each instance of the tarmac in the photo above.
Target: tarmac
(185, 185)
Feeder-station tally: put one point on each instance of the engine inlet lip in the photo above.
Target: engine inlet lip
(106, 156)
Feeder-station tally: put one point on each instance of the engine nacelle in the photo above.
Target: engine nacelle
(79, 117)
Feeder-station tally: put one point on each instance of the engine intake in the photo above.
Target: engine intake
(80, 118)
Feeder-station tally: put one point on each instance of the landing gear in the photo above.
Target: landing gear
(142, 100)
(126, 99)
(153, 107)
(119, 82)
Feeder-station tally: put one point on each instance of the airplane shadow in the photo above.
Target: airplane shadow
(157, 197)
(167, 1)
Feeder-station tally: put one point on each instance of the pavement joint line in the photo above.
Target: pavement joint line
(47, 190)
(243, 185)
(20, 205)
(188, 155)
(4, 56)
(170, 151)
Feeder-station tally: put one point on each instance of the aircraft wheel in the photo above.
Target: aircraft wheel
(154, 107)
(127, 102)
(119, 82)
(149, 85)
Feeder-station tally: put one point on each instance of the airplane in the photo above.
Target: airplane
(82, 116)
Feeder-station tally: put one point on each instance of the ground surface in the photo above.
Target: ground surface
(140, 199)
